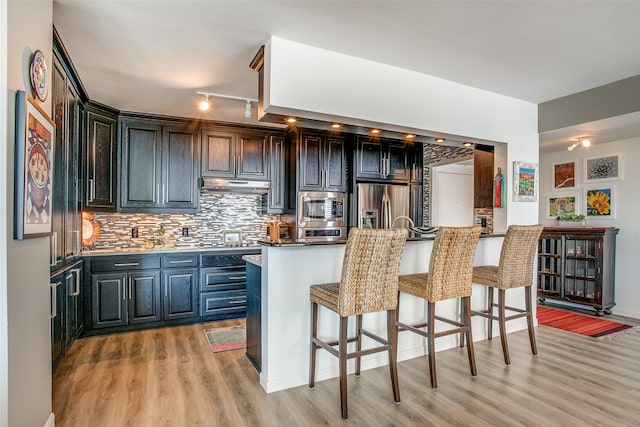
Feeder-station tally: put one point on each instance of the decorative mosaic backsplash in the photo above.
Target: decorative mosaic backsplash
(432, 155)
(218, 212)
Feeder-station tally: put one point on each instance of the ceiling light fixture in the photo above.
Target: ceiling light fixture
(204, 105)
(467, 144)
(335, 125)
(291, 120)
(439, 140)
(583, 140)
(409, 136)
(376, 131)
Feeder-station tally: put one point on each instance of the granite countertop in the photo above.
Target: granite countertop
(165, 249)
(253, 259)
(412, 238)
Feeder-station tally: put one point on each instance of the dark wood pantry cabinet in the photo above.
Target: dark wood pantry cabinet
(100, 162)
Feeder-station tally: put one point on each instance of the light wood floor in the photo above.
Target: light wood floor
(170, 377)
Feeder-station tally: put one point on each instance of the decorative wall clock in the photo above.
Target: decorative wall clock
(39, 75)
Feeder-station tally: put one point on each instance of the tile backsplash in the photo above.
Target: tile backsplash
(218, 212)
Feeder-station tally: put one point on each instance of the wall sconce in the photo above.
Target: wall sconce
(204, 105)
(582, 141)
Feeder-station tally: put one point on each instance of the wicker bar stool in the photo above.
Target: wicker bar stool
(368, 283)
(449, 277)
(514, 269)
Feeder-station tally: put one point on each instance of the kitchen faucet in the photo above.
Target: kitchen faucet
(411, 224)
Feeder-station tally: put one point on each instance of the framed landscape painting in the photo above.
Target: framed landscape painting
(600, 202)
(563, 175)
(525, 182)
(562, 203)
(33, 169)
(603, 168)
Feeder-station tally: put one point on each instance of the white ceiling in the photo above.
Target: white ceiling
(152, 56)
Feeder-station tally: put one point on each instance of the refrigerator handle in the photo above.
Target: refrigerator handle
(386, 211)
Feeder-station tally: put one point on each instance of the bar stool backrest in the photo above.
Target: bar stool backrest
(370, 269)
(451, 263)
(517, 256)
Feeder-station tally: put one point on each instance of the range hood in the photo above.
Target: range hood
(223, 185)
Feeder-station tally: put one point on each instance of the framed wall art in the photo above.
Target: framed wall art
(33, 169)
(525, 182)
(600, 202)
(564, 175)
(562, 203)
(603, 168)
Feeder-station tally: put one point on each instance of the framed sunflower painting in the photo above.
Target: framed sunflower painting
(600, 202)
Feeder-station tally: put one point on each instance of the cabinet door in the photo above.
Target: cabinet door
(59, 104)
(140, 173)
(180, 293)
(218, 153)
(483, 177)
(109, 307)
(369, 159)
(550, 266)
(277, 189)
(334, 161)
(72, 244)
(581, 270)
(416, 160)
(416, 206)
(311, 163)
(179, 169)
(143, 290)
(397, 162)
(56, 288)
(252, 156)
(100, 178)
(72, 320)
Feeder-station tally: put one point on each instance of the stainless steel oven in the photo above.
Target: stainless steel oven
(321, 216)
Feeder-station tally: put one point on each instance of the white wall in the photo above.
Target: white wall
(29, 338)
(4, 341)
(627, 292)
(314, 83)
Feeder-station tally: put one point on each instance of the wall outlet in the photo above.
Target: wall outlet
(134, 232)
(185, 231)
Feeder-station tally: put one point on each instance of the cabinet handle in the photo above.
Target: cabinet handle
(76, 291)
(78, 242)
(126, 264)
(181, 262)
(158, 193)
(237, 277)
(163, 195)
(53, 294)
(54, 248)
(129, 287)
(241, 301)
(91, 194)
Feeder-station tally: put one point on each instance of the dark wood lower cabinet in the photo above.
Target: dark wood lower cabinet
(254, 315)
(66, 309)
(180, 293)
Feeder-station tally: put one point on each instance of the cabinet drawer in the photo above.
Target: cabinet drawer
(217, 279)
(125, 263)
(180, 260)
(225, 260)
(222, 302)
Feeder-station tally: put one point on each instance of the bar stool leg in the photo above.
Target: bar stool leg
(466, 303)
(490, 312)
(343, 366)
(314, 346)
(359, 342)
(503, 326)
(532, 337)
(431, 309)
(392, 337)
(463, 316)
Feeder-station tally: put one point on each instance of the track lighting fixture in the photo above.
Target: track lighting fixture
(582, 141)
(204, 104)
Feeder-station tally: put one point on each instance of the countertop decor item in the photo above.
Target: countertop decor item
(39, 75)
(33, 169)
(223, 339)
(90, 229)
(232, 238)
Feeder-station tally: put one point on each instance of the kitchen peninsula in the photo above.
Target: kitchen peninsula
(287, 272)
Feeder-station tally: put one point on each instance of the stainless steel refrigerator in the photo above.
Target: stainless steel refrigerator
(379, 204)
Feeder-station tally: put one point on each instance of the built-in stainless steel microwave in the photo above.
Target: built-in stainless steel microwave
(321, 215)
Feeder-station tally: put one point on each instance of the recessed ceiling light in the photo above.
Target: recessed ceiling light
(467, 144)
(375, 130)
(336, 125)
(439, 139)
(409, 136)
(291, 120)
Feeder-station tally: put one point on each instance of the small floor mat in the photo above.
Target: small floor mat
(229, 338)
(584, 325)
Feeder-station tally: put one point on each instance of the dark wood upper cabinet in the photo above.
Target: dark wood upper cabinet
(322, 163)
(277, 190)
(159, 167)
(382, 160)
(227, 153)
(483, 176)
(100, 161)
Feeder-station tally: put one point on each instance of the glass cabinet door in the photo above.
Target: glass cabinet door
(580, 269)
(549, 266)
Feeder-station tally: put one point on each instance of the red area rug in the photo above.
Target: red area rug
(223, 339)
(584, 325)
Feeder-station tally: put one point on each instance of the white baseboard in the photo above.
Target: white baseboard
(51, 421)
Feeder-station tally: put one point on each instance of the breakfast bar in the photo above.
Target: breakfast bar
(288, 269)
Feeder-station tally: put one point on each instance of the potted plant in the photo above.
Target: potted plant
(571, 220)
